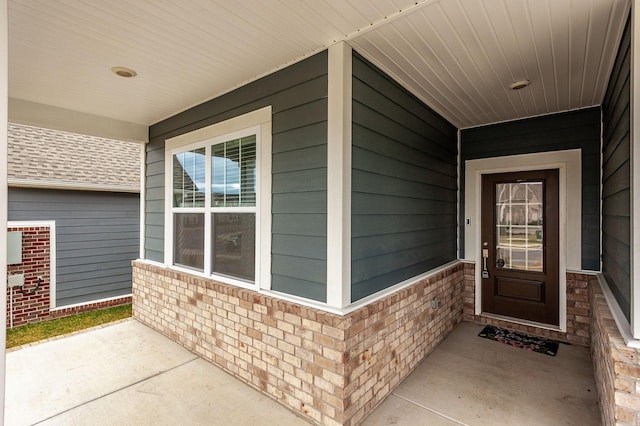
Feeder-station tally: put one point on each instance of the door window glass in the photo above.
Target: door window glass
(519, 225)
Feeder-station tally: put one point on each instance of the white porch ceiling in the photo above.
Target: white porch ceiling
(458, 56)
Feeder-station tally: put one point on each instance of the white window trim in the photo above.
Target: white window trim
(51, 224)
(260, 122)
(569, 164)
(143, 197)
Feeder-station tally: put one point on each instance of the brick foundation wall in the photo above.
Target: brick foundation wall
(29, 308)
(616, 366)
(578, 310)
(330, 369)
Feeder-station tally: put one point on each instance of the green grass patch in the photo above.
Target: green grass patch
(44, 330)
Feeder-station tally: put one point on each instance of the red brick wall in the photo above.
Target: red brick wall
(35, 263)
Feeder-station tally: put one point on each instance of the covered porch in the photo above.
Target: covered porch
(160, 382)
(322, 180)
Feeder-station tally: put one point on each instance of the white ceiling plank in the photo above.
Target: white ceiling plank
(478, 47)
(560, 33)
(580, 37)
(542, 76)
(424, 68)
(458, 56)
(471, 79)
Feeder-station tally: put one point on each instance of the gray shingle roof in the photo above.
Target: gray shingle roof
(54, 158)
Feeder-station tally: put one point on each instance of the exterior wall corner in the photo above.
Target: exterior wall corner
(330, 369)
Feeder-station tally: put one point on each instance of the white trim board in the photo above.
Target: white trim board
(569, 164)
(91, 302)
(72, 186)
(319, 305)
(618, 316)
(21, 111)
(339, 176)
(51, 224)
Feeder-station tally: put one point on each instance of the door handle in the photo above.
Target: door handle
(485, 256)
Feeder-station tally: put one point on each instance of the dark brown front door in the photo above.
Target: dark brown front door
(519, 245)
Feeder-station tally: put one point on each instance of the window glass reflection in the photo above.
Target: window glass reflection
(234, 245)
(189, 178)
(188, 240)
(519, 225)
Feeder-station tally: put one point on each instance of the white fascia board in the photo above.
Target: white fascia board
(339, 175)
(73, 186)
(51, 117)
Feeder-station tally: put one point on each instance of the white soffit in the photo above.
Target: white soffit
(185, 52)
(458, 56)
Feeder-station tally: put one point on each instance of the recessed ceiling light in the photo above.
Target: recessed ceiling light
(517, 85)
(124, 72)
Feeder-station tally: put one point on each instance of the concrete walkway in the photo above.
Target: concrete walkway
(469, 380)
(128, 374)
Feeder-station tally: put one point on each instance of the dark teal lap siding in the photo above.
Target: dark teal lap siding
(298, 97)
(97, 238)
(570, 130)
(403, 184)
(616, 180)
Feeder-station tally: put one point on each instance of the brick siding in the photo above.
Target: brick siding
(616, 366)
(578, 310)
(328, 368)
(36, 262)
(29, 308)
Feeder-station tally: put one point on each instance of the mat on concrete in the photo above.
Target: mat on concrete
(520, 340)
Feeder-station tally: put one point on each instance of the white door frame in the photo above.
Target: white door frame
(569, 165)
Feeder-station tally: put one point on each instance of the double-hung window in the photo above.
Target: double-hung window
(214, 223)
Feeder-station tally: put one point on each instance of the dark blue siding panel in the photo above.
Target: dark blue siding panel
(616, 180)
(97, 237)
(298, 97)
(403, 184)
(570, 130)
(154, 202)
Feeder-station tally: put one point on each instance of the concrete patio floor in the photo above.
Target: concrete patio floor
(128, 374)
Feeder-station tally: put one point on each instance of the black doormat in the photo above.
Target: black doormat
(520, 340)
